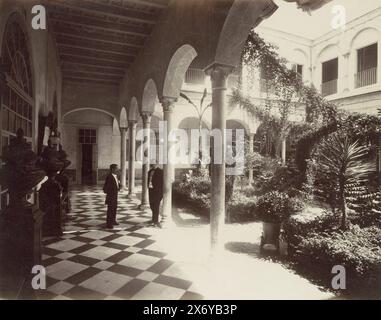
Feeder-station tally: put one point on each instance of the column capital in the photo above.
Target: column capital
(146, 116)
(168, 103)
(132, 123)
(219, 68)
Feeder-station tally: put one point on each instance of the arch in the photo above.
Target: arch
(237, 124)
(150, 96)
(300, 54)
(17, 61)
(115, 128)
(133, 110)
(330, 51)
(123, 122)
(86, 108)
(242, 17)
(176, 70)
(364, 37)
(192, 123)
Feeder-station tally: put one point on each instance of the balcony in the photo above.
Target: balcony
(329, 87)
(366, 78)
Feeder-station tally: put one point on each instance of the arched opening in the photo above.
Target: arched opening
(150, 97)
(123, 122)
(17, 98)
(176, 70)
(88, 136)
(17, 94)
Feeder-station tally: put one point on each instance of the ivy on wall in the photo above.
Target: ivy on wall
(288, 93)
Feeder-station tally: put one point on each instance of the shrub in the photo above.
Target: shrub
(241, 208)
(195, 192)
(301, 226)
(358, 250)
(276, 206)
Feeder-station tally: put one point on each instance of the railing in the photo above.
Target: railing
(195, 76)
(366, 77)
(329, 87)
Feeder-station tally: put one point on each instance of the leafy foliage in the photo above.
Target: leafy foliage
(358, 250)
(277, 206)
(340, 163)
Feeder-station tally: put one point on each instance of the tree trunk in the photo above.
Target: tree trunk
(343, 205)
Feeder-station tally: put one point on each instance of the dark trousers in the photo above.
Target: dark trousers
(154, 202)
(111, 213)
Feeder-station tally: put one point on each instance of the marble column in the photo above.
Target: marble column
(218, 74)
(251, 148)
(123, 157)
(131, 157)
(146, 117)
(168, 167)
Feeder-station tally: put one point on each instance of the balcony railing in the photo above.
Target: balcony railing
(366, 78)
(329, 87)
(195, 76)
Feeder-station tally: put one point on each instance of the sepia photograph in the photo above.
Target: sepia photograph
(199, 153)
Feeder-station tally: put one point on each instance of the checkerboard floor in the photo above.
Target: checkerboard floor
(92, 262)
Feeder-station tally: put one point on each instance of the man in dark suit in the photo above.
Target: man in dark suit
(111, 188)
(155, 185)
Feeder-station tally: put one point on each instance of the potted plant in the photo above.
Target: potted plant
(273, 208)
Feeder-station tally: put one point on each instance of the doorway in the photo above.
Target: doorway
(87, 164)
(87, 144)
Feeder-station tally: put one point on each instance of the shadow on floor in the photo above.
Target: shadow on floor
(184, 217)
(251, 249)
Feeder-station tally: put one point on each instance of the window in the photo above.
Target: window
(87, 136)
(330, 72)
(298, 68)
(366, 66)
(266, 83)
(16, 103)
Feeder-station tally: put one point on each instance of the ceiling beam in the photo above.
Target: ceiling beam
(72, 66)
(90, 80)
(98, 24)
(153, 4)
(97, 45)
(118, 12)
(108, 37)
(93, 61)
(94, 53)
(87, 75)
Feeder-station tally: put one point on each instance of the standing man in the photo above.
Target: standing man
(155, 183)
(111, 188)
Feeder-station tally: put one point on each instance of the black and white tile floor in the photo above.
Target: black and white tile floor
(92, 262)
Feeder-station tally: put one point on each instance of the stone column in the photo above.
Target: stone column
(218, 74)
(251, 148)
(131, 157)
(168, 168)
(344, 73)
(123, 156)
(146, 117)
